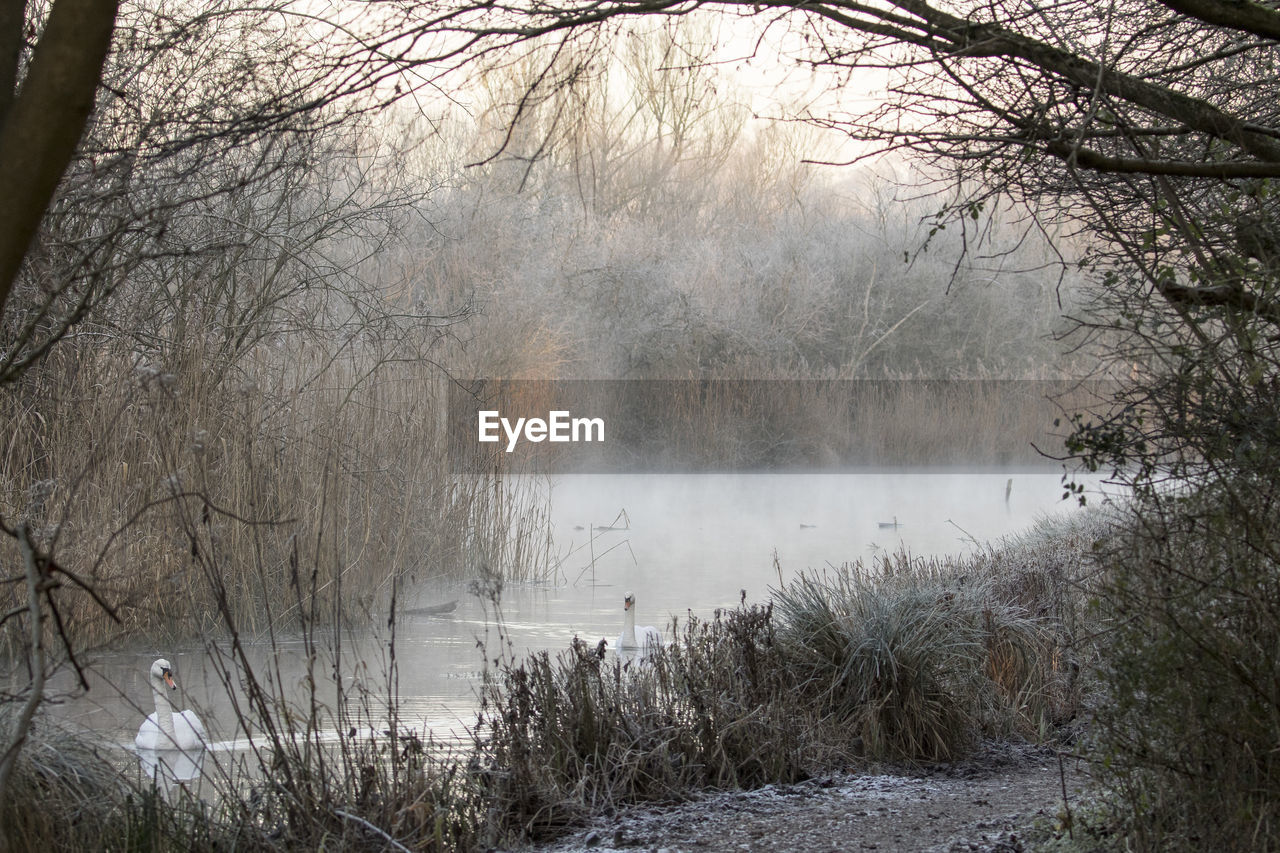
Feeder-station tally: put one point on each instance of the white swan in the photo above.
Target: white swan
(646, 637)
(164, 729)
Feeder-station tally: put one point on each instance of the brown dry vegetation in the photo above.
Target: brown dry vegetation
(905, 661)
(128, 470)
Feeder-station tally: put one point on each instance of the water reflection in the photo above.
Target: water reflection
(173, 770)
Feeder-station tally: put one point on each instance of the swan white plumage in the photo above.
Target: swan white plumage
(165, 729)
(631, 638)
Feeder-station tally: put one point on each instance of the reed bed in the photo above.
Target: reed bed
(64, 794)
(128, 469)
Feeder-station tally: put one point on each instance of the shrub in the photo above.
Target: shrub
(921, 660)
(568, 734)
(1189, 728)
(912, 661)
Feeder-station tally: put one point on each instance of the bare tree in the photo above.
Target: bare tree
(98, 158)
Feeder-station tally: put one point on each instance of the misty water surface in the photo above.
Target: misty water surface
(693, 544)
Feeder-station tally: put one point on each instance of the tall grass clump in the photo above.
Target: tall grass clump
(924, 658)
(561, 736)
(918, 663)
(64, 794)
(1050, 572)
(1188, 729)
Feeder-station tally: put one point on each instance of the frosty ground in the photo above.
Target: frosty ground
(991, 802)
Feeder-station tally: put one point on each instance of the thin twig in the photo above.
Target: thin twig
(348, 816)
(1062, 775)
(23, 725)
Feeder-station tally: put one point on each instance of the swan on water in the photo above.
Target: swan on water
(645, 637)
(165, 729)
(889, 524)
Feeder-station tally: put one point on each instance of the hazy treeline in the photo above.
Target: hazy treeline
(643, 225)
(817, 289)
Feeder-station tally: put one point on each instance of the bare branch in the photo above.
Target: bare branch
(1238, 15)
(36, 583)
(41, 129)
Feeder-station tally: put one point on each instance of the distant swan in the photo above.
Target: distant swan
(889, 524)
(164, 729)
(646, 637)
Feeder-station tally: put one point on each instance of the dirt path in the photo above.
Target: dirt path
(983, 804)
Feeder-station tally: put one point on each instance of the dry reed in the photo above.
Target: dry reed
(128, 473)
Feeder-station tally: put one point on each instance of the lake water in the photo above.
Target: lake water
(691, 543)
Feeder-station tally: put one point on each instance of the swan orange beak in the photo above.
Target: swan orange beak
(168, 679)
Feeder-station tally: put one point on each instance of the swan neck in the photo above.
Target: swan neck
(164, 710)
(629, 627)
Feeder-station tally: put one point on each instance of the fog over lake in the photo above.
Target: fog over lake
(682, 543)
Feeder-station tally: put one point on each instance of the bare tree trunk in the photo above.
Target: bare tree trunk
(44, 120)
(13, 16)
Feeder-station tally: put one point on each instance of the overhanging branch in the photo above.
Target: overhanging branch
(1237, 15)
(1088, 159)
(1221, 295)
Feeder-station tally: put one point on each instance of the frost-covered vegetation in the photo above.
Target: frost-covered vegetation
(641, 225)
(903, 661)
